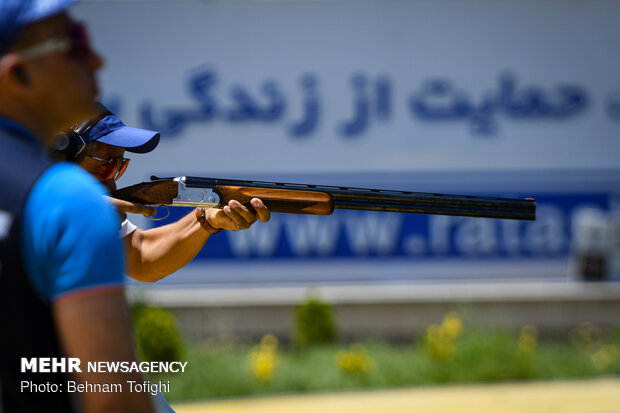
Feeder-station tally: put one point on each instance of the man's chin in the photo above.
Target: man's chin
(111, 185)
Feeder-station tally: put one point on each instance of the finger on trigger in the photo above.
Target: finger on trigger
(149, 211)
(142, 210)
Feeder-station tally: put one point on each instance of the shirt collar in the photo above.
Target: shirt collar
(19, 130)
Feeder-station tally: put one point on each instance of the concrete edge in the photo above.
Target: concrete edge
(375, 293)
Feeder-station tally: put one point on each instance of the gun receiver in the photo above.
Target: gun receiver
(318, 199)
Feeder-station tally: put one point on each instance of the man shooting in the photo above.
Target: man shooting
(99, 146)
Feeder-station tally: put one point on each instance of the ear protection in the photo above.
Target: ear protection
(69, 144)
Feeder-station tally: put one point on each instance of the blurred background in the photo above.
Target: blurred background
(504, 98)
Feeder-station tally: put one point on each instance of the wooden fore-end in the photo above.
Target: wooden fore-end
(287, 201)
(149, 193)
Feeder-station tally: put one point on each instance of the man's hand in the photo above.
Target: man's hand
(236, 216)
(129, 207)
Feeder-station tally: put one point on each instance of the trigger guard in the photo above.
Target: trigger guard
(162, 218)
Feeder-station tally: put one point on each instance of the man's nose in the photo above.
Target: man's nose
(95, 61)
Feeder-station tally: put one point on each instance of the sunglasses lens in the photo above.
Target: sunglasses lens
(124, 162)
(110, 170)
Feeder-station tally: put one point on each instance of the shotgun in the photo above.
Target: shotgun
(318, 199)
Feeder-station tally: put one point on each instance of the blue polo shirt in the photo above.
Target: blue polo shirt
(70, 240)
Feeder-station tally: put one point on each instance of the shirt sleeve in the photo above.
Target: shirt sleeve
(127, 227)
(70, 234)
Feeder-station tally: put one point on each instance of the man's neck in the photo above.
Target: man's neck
(29, 125)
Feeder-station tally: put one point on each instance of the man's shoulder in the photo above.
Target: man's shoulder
(70, 234)
(66, 196)
(68, 179)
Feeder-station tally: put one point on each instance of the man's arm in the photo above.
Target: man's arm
(96, 327)
(155, 253)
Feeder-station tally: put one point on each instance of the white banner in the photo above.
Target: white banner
(313, 86)
(508, 98)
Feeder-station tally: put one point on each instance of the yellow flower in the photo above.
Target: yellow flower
(528, 339)
(439, 345)
(269, 342)
(354, 361)
(452, 325)
(586, 337)
(441, 339)
(605, 356)
(263, 359)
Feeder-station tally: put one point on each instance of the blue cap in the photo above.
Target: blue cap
(112, 131)
(15, 14)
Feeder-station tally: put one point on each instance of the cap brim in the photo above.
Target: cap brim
(132, 139)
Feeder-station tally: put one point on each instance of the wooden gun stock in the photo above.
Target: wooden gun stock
(320, 200)
(277, 200)
(288, 201)
(149, 193)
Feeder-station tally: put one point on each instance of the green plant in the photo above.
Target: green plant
(157, 334)
(314, 323)
(221, 369)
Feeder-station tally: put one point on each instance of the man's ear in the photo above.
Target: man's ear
(20, 74)
(13, 71)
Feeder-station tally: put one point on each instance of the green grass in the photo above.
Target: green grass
(221, 370)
